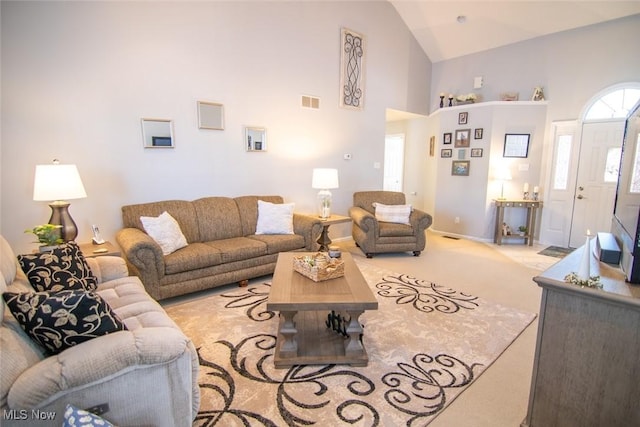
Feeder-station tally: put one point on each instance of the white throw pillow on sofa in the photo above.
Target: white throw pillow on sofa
(274, 218)
(393, 213)
(165, 230)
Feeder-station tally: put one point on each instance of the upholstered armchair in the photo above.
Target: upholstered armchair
(383, 222)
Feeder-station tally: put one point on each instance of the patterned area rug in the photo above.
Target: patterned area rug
(556, 251)
(426, 344)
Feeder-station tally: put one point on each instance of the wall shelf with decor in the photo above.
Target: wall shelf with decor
(475, 105)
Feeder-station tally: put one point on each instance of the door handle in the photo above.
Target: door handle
(580, 197)
(581, 188)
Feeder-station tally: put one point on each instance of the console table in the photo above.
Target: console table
(587, 359)
(531, 206)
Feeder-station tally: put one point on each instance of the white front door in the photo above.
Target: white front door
(597, 176)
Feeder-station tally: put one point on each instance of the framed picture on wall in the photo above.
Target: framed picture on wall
(462, 138)
(446, 152)
(463, 118)
(460, 167)
(446, 138)
(516, 145)
(478, 133)
(476, 152)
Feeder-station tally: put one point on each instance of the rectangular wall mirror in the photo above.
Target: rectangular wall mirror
(255, 138)
(157, 133)
(210, 115)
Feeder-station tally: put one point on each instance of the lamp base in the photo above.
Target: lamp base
(324, 204)
(60, 216)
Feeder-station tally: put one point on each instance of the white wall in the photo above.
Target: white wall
(78, 77)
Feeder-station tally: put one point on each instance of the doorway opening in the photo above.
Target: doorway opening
(393, 162)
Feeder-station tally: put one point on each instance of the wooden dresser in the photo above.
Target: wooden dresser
(586, 369)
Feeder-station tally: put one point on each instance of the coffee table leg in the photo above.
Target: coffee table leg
(289, 347)
(353, 345)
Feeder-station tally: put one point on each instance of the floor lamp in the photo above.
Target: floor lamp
(57, 183)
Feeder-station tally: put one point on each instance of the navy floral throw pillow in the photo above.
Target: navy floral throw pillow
(62, 268)
(74, 416)
(63, 319)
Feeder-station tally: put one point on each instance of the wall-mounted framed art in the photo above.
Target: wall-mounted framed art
(446, 152)
(460, 167)
(462, 138)
(446, 138)
(210, 115)
(516, 145)
(478, 133)
(463, 118)
(476, 152)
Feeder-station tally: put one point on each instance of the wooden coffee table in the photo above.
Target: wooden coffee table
(305, 306)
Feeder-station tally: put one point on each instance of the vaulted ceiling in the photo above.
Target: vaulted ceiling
(448, 29)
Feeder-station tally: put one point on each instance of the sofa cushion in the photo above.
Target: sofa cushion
(392, 213)
(165, 230)
(63, 319)
(181, 210)
(218, 218)
(239, 248)
(248, 208)
(79, 417)
(392, 229)
(62, 268)
(274, 218)
(8, 264)
(277, 243)
(193, 257)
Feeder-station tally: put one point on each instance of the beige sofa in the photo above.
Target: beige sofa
(146, 375)
(223, 246)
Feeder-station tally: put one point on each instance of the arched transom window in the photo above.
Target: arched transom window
(615, 104)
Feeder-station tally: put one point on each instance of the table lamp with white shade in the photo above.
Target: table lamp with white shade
(502, 174)
(58, 183)
(324, 179)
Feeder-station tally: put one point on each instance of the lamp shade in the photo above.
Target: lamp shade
(503, 174)
(324, 179)
(57, 182)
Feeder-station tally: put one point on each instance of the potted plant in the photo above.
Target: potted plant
(48, 236)
(523, 230)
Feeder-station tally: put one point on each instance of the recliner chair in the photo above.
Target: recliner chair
(374, 236)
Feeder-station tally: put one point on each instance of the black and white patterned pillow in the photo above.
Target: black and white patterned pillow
(59, 320)
(62, 268)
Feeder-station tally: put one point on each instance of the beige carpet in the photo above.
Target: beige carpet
(426, 343)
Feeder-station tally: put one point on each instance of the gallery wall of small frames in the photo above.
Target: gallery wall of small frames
(461, 139)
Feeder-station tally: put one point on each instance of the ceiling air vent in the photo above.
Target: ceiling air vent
(310, 102)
